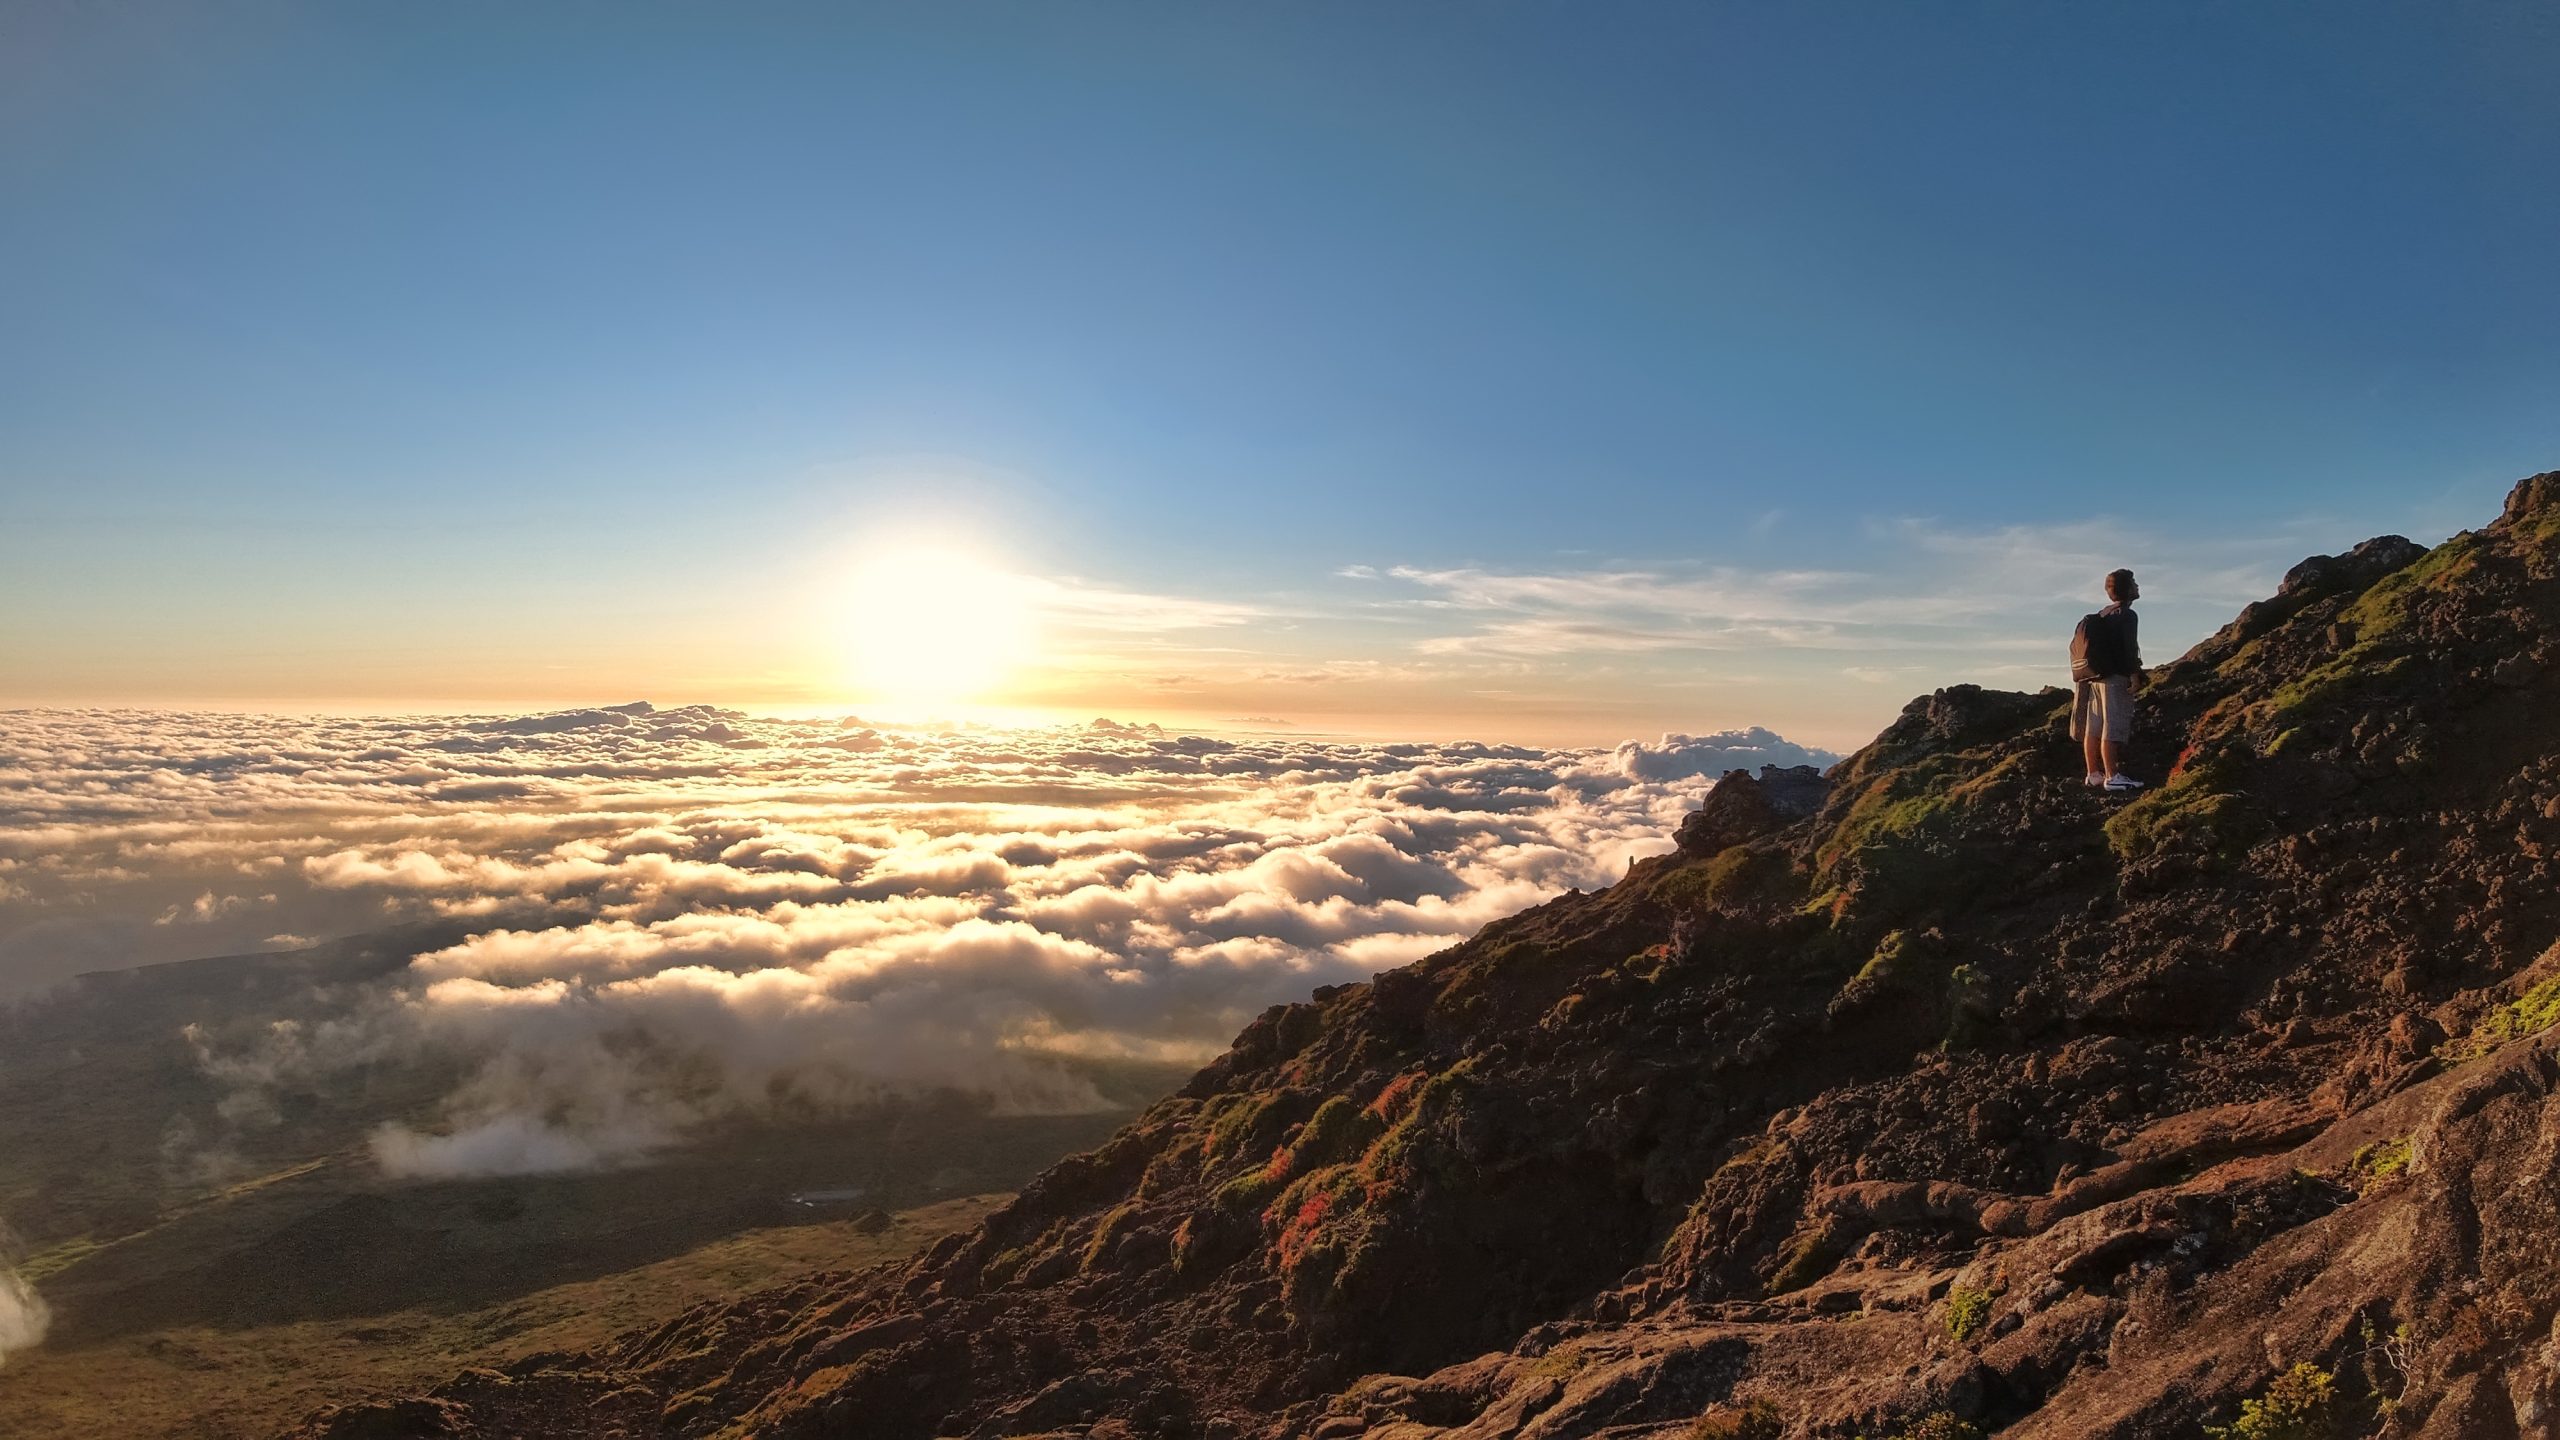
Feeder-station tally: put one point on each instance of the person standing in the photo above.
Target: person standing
(2106, 671)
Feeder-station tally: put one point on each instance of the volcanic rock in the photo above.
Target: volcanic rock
(1942, 1096)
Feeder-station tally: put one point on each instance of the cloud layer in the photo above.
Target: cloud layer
(667, 917)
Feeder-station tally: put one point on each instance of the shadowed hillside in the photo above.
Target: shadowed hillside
(1938, 1098)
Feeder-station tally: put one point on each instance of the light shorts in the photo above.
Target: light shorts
(2103, 707)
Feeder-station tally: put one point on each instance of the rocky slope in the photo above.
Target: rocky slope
(1941, 1097)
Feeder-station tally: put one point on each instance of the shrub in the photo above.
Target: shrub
(2302, 1404)
(1967, 1310)
(1752, 1420)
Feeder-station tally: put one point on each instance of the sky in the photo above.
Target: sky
(1538, 373)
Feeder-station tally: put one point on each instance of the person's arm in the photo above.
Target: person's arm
(2133, 649)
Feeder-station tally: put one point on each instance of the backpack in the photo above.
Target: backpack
(2097, 648)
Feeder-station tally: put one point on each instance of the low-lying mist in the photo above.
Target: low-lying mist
(23, 1315)
(649, 921)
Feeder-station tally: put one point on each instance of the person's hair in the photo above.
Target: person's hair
(2119, 583)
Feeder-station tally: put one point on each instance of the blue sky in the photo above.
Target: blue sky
(1539, 371)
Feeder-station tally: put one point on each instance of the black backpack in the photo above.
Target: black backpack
(2097, 647)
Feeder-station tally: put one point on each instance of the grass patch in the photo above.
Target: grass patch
(1968, 1310)
(2302, 1404)
(1562, 1363)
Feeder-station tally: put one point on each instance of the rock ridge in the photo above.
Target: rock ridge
(1935, 1096)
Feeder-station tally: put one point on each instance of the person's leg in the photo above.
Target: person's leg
(2107, 752)
(2094, 750)
(2117, 712)
(2087, 729)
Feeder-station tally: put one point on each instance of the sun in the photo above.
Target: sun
(935, 626)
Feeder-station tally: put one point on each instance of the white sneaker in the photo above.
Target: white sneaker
(2093, 779)
(2122, 782)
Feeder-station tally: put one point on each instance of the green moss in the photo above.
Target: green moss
(1684, 888)
(1898, 850)
(1738, 877)
(1404, 1145)
(2200, 810)
(2302, 1404)
(1253, 1189)
(1890, 963)
(1229, 1122)
(2378, 1164)
(1899, 804)
(2531, 1013)
(1752, 1420)
(1807, 1260)
(1119, 1222)
(1968, 1309)
(1337, 1131)
(2360, 667)
(2382, 620)
(2384, 611)
(1002, 1267)
(1971, 1008)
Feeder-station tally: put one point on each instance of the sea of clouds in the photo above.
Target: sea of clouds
(660, 918)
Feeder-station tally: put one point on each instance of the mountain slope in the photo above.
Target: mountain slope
(1941, 1092)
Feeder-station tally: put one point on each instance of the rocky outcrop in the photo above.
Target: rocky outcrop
(1950, 1099)
(1741, 809)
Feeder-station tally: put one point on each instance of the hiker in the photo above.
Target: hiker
(2106, 670)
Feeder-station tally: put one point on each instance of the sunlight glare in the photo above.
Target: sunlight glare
(935, 627)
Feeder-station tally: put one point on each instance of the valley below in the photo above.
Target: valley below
(219, 1282)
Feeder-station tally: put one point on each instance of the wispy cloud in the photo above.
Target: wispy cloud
(1924, 587)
